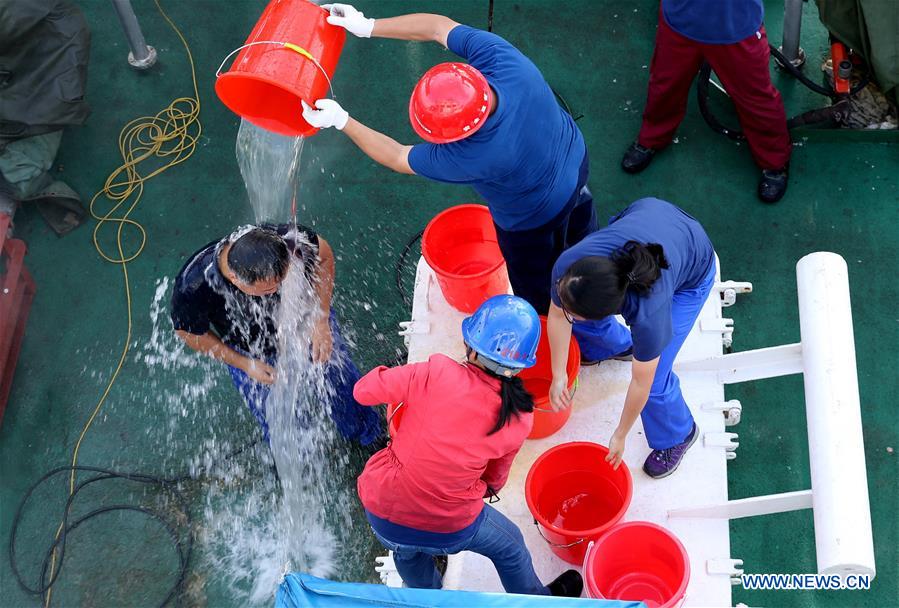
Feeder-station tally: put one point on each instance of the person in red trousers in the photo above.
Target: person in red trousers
(729, 35)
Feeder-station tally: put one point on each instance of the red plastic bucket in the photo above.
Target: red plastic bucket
(575, 496)
(538, 379)
(638, 561)
(267, 81)
(459, 244)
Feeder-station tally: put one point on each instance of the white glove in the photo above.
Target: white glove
(329, 114)
(352, 20)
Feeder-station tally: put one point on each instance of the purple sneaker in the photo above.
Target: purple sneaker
(662, 463)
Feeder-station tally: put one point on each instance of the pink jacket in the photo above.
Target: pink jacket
(434, 474)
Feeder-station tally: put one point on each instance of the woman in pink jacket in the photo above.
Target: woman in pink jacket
(462, 426)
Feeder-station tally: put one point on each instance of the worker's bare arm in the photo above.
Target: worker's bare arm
(379, 147)
(417, 26)
(211, 345)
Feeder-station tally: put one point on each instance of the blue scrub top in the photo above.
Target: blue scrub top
(687, 248)
(524, 161)
(714, 21)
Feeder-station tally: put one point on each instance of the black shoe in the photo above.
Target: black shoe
(440, 562)
(636, 158)
(627, 355)
(567, 584)
(773, 185)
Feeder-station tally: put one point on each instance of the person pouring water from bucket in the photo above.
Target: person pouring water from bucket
(225, 302)
(462, 425)
(655, 266)
(493, 124)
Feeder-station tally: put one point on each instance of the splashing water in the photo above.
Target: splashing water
(264, 507)
(268, 164)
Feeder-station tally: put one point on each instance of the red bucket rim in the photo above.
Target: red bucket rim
(429, 227)
(229, 75)
(591, 531)
(573, 366)
(593, 549)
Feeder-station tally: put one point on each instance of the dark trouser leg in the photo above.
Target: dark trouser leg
(666, 418)
(354, 421)
(499, 539)
(743, 68)
(530, 255)
(417, 569)
(675, 62)
(254, 394)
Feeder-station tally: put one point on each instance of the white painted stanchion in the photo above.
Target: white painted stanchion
(842, 513)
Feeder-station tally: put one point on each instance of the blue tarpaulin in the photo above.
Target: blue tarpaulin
(306, 591)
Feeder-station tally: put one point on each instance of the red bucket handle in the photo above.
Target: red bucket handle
(395, 410)
(556, 545)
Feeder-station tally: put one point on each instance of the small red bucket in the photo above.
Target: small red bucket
(267, 81)
(459, 244)
(538, 379)
(575, 496)
(638, 561)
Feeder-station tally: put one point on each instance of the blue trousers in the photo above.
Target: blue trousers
(497, 538)
(354, 421)
(667, 420)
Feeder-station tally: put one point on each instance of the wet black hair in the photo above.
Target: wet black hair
(515, 399)
(259, 254)
(594, 287)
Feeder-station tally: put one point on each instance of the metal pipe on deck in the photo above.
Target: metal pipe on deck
(142, 56)
(792, 26)
(842, 512)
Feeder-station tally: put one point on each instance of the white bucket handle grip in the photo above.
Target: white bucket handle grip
(556, 545)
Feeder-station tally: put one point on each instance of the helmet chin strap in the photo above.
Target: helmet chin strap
(490, 365)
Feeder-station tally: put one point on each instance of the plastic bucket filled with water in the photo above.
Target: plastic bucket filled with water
(575, 496)
(638, 561)
(537, 380)
(290, 55)
(459, 244)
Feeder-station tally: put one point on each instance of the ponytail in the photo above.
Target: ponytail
(594, 287)
(639, 265)
(515, 400)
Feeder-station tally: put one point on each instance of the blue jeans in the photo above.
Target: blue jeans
(354, 421)
(497, 538)
(667, 420)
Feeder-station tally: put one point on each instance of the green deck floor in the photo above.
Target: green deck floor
(843, 197)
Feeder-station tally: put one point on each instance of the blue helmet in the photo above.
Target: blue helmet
(505, 332)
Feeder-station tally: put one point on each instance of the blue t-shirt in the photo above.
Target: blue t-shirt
(687, 248)
(714, 21)
(524, 161)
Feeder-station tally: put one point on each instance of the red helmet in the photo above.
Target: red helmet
(449, 103)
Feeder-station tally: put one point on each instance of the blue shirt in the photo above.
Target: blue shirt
(714, 21)
(524, 161)
(687, 248)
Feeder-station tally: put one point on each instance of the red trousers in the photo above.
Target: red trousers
(742, 68)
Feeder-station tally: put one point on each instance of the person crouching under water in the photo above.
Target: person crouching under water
(462, 426)
(225, 304)
(654, 265)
